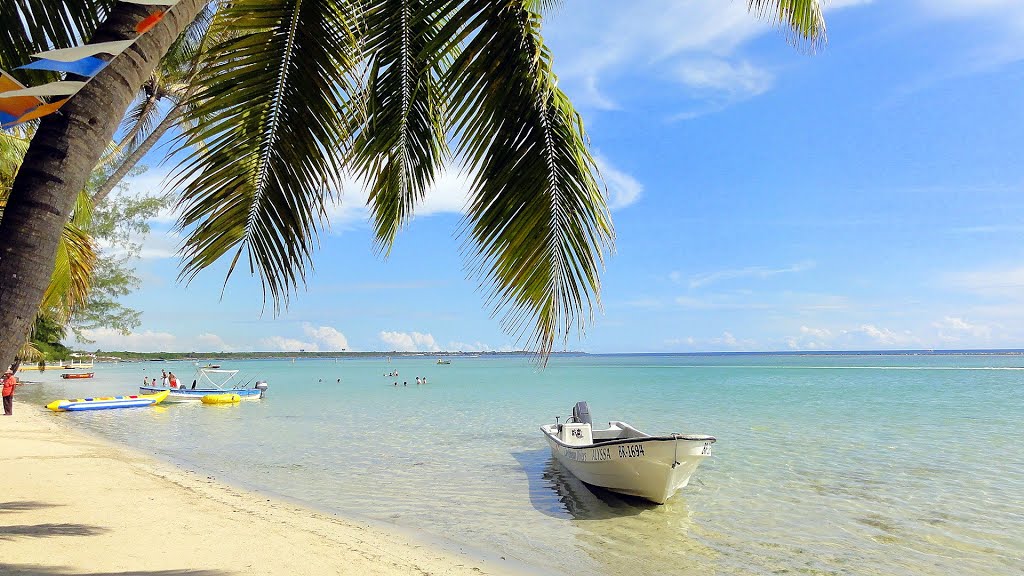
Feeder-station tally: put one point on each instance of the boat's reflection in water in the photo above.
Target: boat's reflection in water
(584, 502)
(622, 534)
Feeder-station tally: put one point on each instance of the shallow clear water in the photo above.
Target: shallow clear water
(824, 464)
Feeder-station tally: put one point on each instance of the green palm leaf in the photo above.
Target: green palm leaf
(803, 18)
(76, 255)
(401, 144)
(273, 104)
(537, 216)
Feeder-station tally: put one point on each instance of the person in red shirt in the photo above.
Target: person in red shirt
(9, 384)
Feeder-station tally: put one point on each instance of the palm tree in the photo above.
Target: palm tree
(68, 286)
(298, 92)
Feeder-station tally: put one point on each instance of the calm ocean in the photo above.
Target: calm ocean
(867, 464)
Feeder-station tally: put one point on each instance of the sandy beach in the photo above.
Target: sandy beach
(75, 504)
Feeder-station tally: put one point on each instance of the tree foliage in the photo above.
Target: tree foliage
(119, 225)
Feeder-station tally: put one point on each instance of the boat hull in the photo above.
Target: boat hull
(77, 376)
(106, 402)
(177, 395)
(653, 468)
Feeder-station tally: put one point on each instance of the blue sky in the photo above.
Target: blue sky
(865, 197)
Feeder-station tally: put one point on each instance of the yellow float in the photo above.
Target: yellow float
(221, 399)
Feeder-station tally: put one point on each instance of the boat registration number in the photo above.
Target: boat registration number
(631, 451)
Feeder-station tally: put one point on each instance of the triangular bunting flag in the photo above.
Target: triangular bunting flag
(147, 24)
(88, 66)
(80, 52)
(38, 112)
(62, 88)
(16, 107)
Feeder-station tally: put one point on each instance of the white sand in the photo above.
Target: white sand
(75, 504)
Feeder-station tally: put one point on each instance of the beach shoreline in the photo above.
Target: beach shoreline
(76, 503)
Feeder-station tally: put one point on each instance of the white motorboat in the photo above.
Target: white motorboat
(623, 459)
(208, 381)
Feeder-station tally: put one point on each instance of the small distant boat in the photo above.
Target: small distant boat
(221, 399)
(107, 402)
(441, 361)
(212, 366)
(77, 375)
(623, 459)
(209, 381)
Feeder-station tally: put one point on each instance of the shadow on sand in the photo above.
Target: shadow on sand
(554, 491)
(25, 506)
(40, 570)
(47, 530)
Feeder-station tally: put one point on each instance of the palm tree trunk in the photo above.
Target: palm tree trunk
(137, 154)
(63, 152)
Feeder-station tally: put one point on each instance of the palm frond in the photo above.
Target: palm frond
(273, 105)
(803, 18)
(76, 255)
(29, 353)
(12, 150)
(537, 216)
(401, 143)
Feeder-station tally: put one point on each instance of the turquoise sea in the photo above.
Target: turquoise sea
(825, 464)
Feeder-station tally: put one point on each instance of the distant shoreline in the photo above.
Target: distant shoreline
(209, 356)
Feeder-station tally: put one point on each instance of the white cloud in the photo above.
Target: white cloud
(760, 272)
(159, 245)
(213, 343)
(809, 339)
(332, 339)
(469, 347)
(955, 329)
(154, 341)
(623, 189)
(726, 342)
(995, 41)
(885, 336)
(283, 344)
(816, 332)
(738, 81)
(409, 341)
(148, 341)
(597, 42)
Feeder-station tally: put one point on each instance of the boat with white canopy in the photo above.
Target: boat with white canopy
(209, 381)
(623, 459)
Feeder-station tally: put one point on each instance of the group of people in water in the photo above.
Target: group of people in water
(419, 379)
(167, 380)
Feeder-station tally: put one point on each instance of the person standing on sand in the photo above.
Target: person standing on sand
(9, 384)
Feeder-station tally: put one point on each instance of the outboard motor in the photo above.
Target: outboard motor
(581, 413)
(262, 386)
